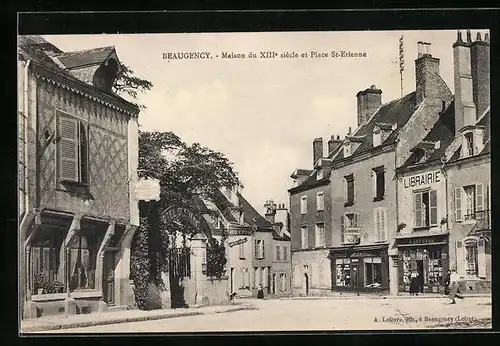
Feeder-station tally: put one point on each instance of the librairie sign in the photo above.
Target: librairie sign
(237, 242)
(422, 179)
(148, 189)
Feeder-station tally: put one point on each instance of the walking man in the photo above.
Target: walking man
(454, 289)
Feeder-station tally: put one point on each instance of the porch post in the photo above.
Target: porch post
(123, 289)
(100, 263)
(29, 309)
(198, 253)
(69, 303)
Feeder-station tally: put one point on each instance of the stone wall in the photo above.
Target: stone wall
(206, 291)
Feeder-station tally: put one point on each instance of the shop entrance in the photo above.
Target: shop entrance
(355, 275)
(420, 271)
(306, 284)
(274, 283)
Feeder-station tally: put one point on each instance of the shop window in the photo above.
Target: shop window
(373, 272)
(435, 267)
(72, 149)
(471, 258)
(425, 209)
(343, 272)
(304, 237)
(82, 260)
(320, 234)
(303, 205)
(320, 201)
(46, 261)
(378, 176)
(349, 190)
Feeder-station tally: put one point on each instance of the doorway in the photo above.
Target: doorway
(268, 280)
(306, 284)
(109, 278)
(232, 280)
(274, 283)
(420, 271)
(355, 275)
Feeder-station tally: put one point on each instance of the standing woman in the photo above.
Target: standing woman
(414, 283)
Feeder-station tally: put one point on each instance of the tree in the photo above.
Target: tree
(130, 85)
(189, 176)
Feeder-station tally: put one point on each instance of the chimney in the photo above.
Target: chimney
(480, 72)
(426, 73)
(333, 144)
(369, 100)
(465, 110)
(317, 150)
(270, 211)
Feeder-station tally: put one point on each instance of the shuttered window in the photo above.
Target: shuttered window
(72, 147)
(425, 209)
(458, 204)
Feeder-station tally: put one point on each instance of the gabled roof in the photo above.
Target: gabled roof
(88, 57)
(442, 131)
(251, 216)
(395, 112)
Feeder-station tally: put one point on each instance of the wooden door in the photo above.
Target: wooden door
(109, 278)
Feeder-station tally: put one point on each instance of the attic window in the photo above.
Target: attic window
(420, 155)
(347, 149)
(377, 138)
(319, 174)
(105, 75)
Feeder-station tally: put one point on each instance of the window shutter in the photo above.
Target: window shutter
(458, 204)
(417, 208)
(68, 148)
(433, 207)
(376, 235)
(256, 248)
(306, 238)
(344, 189)
(460, 258)
(342, 228)
(374, 183)
(84, 152)
(479, 197)
(481, 258)
(263, 254)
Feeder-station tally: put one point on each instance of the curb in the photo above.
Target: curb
(42, 328)
(383, 297)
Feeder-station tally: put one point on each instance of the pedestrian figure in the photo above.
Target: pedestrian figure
(454, 289)
(446, 283)
(414, 284)
(260, 293)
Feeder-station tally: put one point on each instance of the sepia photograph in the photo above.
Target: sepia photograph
(254, 181)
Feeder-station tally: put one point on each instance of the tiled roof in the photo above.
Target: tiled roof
(443, 131)
(85, 57)
(37, 47)
(224, 206)
(398, 111)
(252, 217)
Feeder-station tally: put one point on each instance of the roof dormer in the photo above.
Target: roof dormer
(381, 131)
(351, 144)
(472, 140)
(424, 150)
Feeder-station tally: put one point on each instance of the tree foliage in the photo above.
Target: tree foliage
(127, 83)
(216, 259)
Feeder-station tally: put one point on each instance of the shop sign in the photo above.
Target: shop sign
(422, 179)
(237, 242)
(361, 254)
(417, 241)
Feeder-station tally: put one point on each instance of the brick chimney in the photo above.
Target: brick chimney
(427, 76)
(480, 72)
(333, 144)
(465, 110)
(317, 150)
(270, 211)
(369, 100)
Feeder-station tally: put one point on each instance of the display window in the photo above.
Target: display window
(343, 272)
(372, 271)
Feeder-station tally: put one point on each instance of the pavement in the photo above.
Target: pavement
(58, 322)
(301, 314)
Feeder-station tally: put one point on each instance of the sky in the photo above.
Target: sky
(263, 114)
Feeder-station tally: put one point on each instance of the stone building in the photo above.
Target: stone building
(78, 154)
(358, 177)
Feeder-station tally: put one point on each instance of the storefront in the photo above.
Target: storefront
(428, 255)
(361, 268)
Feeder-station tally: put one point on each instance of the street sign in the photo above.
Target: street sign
(148, 189)
(237, 242)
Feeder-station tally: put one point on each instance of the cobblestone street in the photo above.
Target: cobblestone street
(324, 314)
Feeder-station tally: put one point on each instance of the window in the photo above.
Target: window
(425, 209)
(241, 249)
(349, 189)
(377, 138)
(378, 175)
(343, 272)
(283, 282)
(347, 149)
(278, 255)
(304, 237)
(72, 149)
(319, 174)
(373, 271)
(349, 227)
(320, 234)
(285, 253)
(320, 201)
(471, 257)
(245, 278)
(469, 200)
(469, 144)
(303, 205)
(259, 249)
(380, 224)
